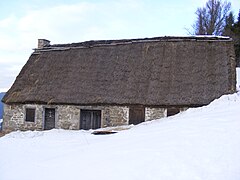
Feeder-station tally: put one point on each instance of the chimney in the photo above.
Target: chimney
(43, 43)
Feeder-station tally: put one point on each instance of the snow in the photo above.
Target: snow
(201, 143)
(238, 78)
(198, 144)
(1, 124)
(211, 36)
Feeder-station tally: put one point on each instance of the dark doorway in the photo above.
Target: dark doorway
(136, 115)
(172, 111)
(90, 119)
(49, 122)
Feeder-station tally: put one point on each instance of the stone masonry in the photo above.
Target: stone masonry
(115, 116)
(14, 118)
(154, 113)
(68, 116)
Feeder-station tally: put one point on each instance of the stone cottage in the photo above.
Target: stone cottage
(96, 84)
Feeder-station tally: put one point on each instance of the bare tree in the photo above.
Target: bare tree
(211, 19)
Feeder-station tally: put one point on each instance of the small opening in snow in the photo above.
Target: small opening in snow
(103, 132)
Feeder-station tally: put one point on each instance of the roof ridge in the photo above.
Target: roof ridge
(97, 43)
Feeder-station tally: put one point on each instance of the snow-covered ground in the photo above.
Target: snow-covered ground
(238, 78)
(198, 144)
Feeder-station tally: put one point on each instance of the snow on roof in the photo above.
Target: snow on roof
(93, 43)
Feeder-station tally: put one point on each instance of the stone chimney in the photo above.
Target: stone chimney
(43, 43)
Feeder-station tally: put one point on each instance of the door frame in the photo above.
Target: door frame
(137, 107)
(91, 110)
(56, 119)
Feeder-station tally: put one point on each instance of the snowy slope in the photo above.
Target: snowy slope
(199, 144)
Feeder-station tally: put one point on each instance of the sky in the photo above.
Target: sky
(23, 22)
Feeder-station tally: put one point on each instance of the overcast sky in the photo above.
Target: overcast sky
(22, 22)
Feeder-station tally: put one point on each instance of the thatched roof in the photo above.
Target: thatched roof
(155, 72)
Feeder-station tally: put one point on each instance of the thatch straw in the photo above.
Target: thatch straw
(153, 72)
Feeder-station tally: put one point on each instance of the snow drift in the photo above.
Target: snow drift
(201, 143)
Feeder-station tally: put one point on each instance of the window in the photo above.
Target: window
(30, 114)
(172, 111)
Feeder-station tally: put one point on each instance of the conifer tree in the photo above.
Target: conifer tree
(239, 17)
(229, 23)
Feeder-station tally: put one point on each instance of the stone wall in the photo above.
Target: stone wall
(115, 116)
(14, 118)
(67, 116)
(183, 109)
(155, 113)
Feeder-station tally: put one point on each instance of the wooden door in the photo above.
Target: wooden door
(49, 122)
(136, 115)
(90, 119)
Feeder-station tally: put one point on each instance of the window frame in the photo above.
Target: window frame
(27, 119)
(171, 111)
